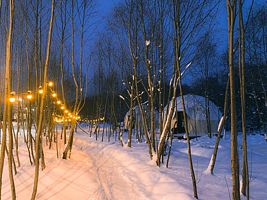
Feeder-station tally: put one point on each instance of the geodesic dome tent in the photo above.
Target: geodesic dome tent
(196, 116)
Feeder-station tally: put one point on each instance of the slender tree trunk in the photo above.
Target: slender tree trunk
(149, 80)
(75, 109)
(231, 7)
(133, 46)
(16, 136)
(215, 150)
(73, 59)
(173, 82)
(131, 115)
(188, 143)
(29, 114)
(245, 175)
(7, 106)
(161, 60)
(63, 18)
(148, 139)
(40, 121)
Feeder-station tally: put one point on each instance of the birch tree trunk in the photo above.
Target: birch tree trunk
(245, 176)
(40, 121)
(19, 117)
(133, 46)
(63, 18)
(7, 107)
(131, 115)
(220, 128)
(75, 109)
(174, 81)
(188, 142)
(149, 80)
(231, 7)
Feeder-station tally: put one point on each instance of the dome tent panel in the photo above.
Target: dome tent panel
(137, 117)
(196, 114)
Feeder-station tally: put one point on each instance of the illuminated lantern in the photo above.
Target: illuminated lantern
(50, 84)
(12, 98)
(40, 91)
(54, 94)
(29, 95)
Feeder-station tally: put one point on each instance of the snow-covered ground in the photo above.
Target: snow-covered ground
(101, 170)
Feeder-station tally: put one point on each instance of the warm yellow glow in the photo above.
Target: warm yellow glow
(58, 102)
(50, 84)
(66, 111)
(12, 99)
(54, 95)
(62, 107)
(41, 91)
(59, 119)
(29, 95)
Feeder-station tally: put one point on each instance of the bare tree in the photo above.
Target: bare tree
(231, 9)
(220, 128)
(245, 176)
(149, 78)
(78, 80)
(40, 121)
(7, 115)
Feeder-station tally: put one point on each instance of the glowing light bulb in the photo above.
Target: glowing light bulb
(50, 84)
(41, 91)
(29, 95)
(12, 98)
(54, 95)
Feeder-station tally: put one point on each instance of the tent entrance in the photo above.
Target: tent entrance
(179, 123)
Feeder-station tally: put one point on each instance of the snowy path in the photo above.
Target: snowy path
(95, 171)
(106, 171)
(121, 176)
(62, 179)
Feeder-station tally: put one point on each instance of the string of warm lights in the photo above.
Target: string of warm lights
(67, 115)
